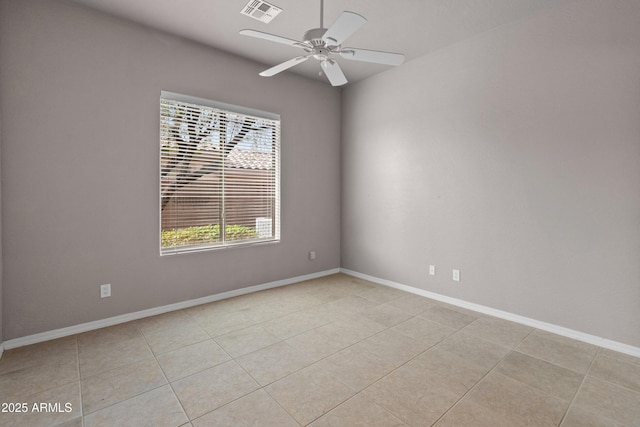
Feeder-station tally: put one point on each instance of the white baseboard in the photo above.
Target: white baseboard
(558, 330)
(1, 349)
(85, 327)
(90, 326)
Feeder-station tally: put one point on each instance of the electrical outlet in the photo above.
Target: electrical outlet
(312, 255)
(432, 270)
(456, 275)
(105, 290)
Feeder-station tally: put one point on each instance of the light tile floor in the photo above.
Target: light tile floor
(334, 351)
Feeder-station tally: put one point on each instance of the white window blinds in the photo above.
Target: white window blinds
(219, 175)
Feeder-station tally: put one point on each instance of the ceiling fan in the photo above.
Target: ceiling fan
(323, 44)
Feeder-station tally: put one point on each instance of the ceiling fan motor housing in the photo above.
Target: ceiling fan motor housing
(320, 50)
(314, 36)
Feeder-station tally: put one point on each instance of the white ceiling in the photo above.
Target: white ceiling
(411, 27)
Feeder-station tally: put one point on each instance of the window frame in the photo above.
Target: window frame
(233, 109)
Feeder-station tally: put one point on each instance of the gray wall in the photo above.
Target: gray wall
(513, 156)
(80, 104)
(1, 330)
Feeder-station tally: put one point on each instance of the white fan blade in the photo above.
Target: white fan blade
(346, 24)
(376, 56)
(333, 72)
(285, 65)
(270, 37)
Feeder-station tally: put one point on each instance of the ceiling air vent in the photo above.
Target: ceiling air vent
(261, 10)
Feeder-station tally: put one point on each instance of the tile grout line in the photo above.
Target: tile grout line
(618, 385)
(298, 370)
(388, 373)
(260, 386)
(613, 383)
(371, 402)
(129, 364)
(412, 358)
(404, 363)
(483, 376)
(584, 379)
(231, 358)
(280, 405)
(79, 380)
(155, 358)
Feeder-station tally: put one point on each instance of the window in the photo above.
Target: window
(219, 175)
